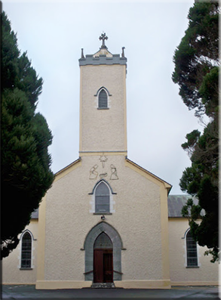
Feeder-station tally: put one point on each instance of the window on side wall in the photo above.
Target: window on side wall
(26, 251)
(191, 251)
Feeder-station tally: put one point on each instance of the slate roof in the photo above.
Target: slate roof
(34, 215)
(176, 203)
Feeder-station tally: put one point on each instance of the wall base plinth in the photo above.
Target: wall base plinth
(127, 284)
(144, 284)
(194, 283)
(58, 284)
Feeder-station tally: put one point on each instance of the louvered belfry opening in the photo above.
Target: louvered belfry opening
(102, 103)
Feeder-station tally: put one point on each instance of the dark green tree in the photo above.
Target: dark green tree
(196, 72)
(25, 137)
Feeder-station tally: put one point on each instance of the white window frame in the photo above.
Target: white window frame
(111, 203)
(108, 99)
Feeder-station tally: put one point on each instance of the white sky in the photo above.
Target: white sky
(53, 33)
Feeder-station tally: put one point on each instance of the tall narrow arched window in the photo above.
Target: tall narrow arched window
(102, 99)
(191, 251)
(26, 251)
(102, 198)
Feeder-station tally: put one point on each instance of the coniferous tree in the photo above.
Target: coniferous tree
(25, 137)
(196, 72)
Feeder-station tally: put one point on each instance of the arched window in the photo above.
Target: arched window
(102, 198)
(26, 250)
(102, 99)
(191, 251)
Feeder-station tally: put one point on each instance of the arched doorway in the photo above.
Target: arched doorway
(92, 241)
(103, 259)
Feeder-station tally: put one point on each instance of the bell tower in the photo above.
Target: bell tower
(103, 101)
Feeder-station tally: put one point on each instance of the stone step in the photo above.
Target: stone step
(105, 285)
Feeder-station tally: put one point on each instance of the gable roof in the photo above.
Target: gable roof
(68, 167)
(176, 203)
(167, 185)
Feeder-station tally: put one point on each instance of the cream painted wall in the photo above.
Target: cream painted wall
(11, 272)
(207, 273)
(139, 205)
(103, 130)
(137, 218)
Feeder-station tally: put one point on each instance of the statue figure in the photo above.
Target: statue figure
(113, 173)
(93, 172)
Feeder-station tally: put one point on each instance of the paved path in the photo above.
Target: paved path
(14, 292)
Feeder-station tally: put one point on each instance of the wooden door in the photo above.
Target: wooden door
(108, 267)
(103, 265)
(98, 265)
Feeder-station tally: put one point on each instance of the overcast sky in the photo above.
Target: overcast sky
(53, 33)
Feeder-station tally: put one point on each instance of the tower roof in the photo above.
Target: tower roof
(103, 56)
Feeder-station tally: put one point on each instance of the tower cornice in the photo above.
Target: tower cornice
(102, 60)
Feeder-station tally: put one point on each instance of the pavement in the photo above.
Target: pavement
(14, 292)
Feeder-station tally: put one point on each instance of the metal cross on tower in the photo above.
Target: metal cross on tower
(103, 37)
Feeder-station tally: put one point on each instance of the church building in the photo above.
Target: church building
(106, 220)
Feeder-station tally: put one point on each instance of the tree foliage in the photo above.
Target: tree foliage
(196, 72)
(198, 54)
(25, 137)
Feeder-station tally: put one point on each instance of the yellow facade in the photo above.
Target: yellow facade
(69, 217)
(103, 130)
(12, 273)
(205, 274)
(148, 249)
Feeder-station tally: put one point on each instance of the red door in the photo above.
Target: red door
(108, 267)
(98, 265)
(103, 265)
